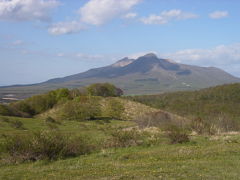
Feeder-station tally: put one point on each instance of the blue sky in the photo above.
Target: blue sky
(43, 39)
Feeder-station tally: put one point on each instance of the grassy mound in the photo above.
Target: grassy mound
(90, 108)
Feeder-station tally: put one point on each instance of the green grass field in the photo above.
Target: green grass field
(204, 157)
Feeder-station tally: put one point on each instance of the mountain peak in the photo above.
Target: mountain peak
(150, 55)
(123, 62)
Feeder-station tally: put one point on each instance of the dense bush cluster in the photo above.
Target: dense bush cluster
(104, 89)
(48, 145)
(127, 138)
(177, 134)
(41, 103)
(113, 109)
(80, 109)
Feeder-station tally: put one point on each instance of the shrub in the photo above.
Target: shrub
(52, 126)
(50, 145)
(40, 103)
(114, 108)
(212, 125)
(104, 89)
(200, 126)
(160, 119)
(81, 109)
(4, 110)
(50, 120)
(177, 135)
(227, 123)
(121, 138)
(16, 124)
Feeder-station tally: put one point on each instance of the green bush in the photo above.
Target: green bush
(104, 89)
(41, 103)
(49, 145)
(121, 138)
(81, 109)
(4, 110)
(177, 135)
(16, 124)
(50, 120)
(114, 109)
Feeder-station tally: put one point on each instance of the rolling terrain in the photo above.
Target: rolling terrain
(137, 137)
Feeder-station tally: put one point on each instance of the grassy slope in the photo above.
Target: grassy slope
(216, 159)
(131, 109)
(92, 128)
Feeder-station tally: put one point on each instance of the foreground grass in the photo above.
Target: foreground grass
(203, 158)
(91, 128)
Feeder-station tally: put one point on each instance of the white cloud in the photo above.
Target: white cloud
(66, 28)
(220, 56)
(218, 14)
(167, 16)
(26, 10)
(94, 12)
(98, 12)
(130, 15)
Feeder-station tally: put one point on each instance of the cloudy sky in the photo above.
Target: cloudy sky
(43, 39)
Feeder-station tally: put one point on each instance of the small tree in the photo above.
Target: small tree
(81, 109)
(104, 89)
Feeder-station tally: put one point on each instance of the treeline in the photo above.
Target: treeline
(38, 104)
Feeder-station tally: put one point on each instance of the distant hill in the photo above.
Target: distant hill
(145, 75)
(220, 103)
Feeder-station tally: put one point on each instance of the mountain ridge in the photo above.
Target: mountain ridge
(147, 74)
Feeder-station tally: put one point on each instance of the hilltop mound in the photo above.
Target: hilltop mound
(111, 107)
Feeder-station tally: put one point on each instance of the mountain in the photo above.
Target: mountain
(145, 75)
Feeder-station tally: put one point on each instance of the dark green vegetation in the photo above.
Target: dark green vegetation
(38, 104)
(217, 105)
(73, 134)
(146, 75)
